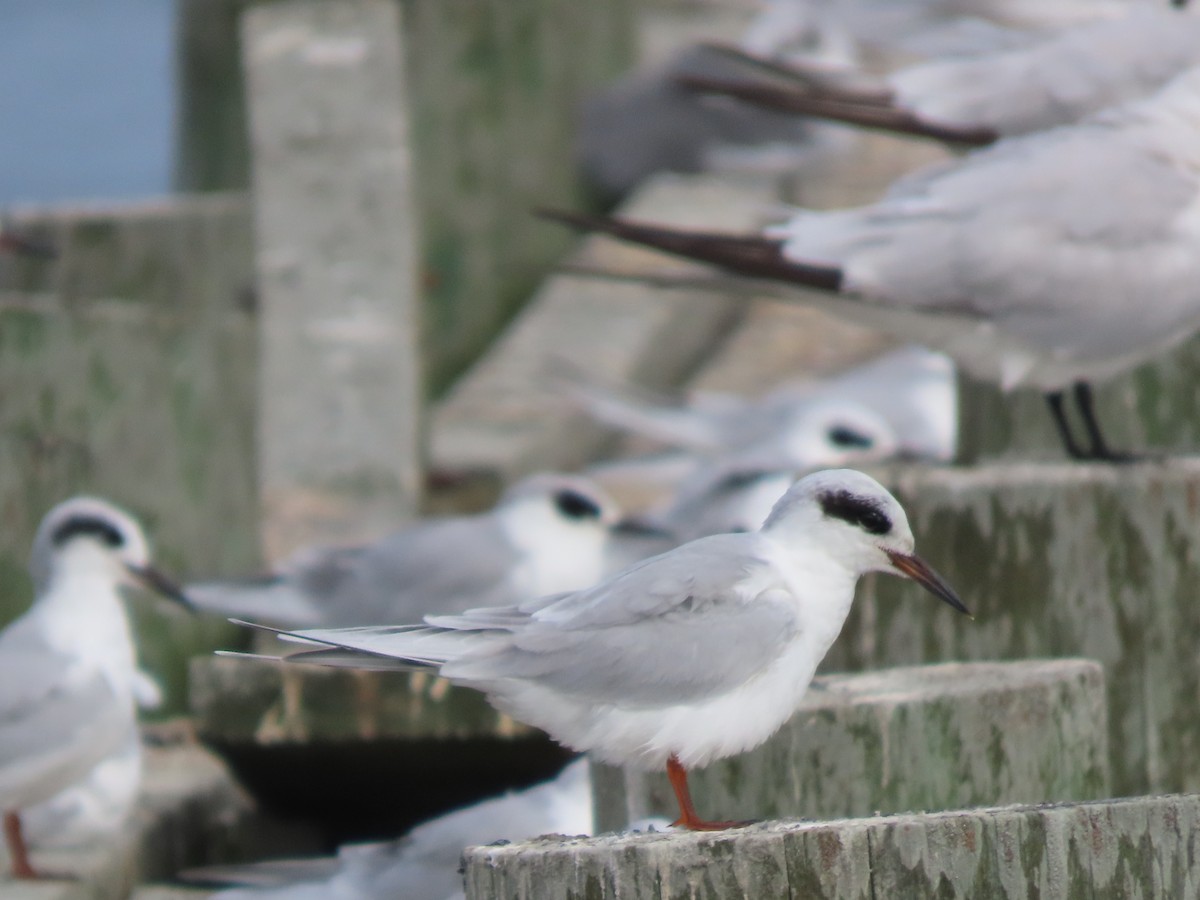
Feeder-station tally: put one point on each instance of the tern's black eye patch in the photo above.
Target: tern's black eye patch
(88, 526)
(575, 505)
(841, 436)
(860, 511)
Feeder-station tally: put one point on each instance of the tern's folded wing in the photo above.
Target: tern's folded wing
(688, 624)
(55, 732)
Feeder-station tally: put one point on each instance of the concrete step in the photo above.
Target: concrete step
(236, 701)
(406, 746)
(190, 813)
(929, 737)
(1143, 847)
(1058, 560)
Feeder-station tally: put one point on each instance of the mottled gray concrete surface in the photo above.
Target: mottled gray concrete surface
(1144, 847)
(930, 737)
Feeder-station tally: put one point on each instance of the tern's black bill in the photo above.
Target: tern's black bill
(919, 571)
(156, 581)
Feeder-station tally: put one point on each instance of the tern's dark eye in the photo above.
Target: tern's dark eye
(841, 436)
(88, 526)
(575, 505)
(863, 512)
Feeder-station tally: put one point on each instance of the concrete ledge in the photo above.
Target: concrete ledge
(407, 746)
(237, 701)
(1058, 560)
(930, 737)
(1140, 847)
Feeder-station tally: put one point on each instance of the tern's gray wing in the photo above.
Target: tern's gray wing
(443, 566)
(48, 712)
(661, 632)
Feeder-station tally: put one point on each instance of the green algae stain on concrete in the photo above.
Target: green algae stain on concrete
(88, 404)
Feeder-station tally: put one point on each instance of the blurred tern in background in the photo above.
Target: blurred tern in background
(68, 678)
(977, 100)
(645, 122)
(688, 657)
(911, 389)
(548, 533)
(1050, 261)
(424, 864)
(103, 801)
(961, 26)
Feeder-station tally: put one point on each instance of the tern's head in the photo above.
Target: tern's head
(559, 501)
(828, 433)
(852, 517)
(89, 536)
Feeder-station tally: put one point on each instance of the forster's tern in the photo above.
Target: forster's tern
(977, 100)
(688, 657)
(422, 865)
(548, 533)
(68, 679)
(1051, 260)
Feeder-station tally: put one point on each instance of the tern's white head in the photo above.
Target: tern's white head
(825, 433)
(852, 518)
(561, 525)
(559, 500)
(86, 536)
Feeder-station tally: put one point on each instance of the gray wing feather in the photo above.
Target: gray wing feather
(444, 566)
(658, 633)
(47, 722)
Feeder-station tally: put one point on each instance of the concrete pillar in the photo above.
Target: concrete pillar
(1143, 847)
(1058, 559)
(336, 228)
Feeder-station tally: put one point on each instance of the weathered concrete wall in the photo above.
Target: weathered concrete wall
(1058, 560)
(1145, 847)
(336, 228)
(127, 369)
(931, 737)
(494, 84)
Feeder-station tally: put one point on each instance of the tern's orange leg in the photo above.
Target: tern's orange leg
(687, 813)
(16, 847)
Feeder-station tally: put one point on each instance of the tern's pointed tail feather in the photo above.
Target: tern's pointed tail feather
(841, 107)
(634, 410)
(751, 255)
(381, 647)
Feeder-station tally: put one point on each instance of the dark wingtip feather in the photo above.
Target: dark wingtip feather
(752, 255)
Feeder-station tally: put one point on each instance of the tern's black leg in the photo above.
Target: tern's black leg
(1100, 449)
(1054, 399)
